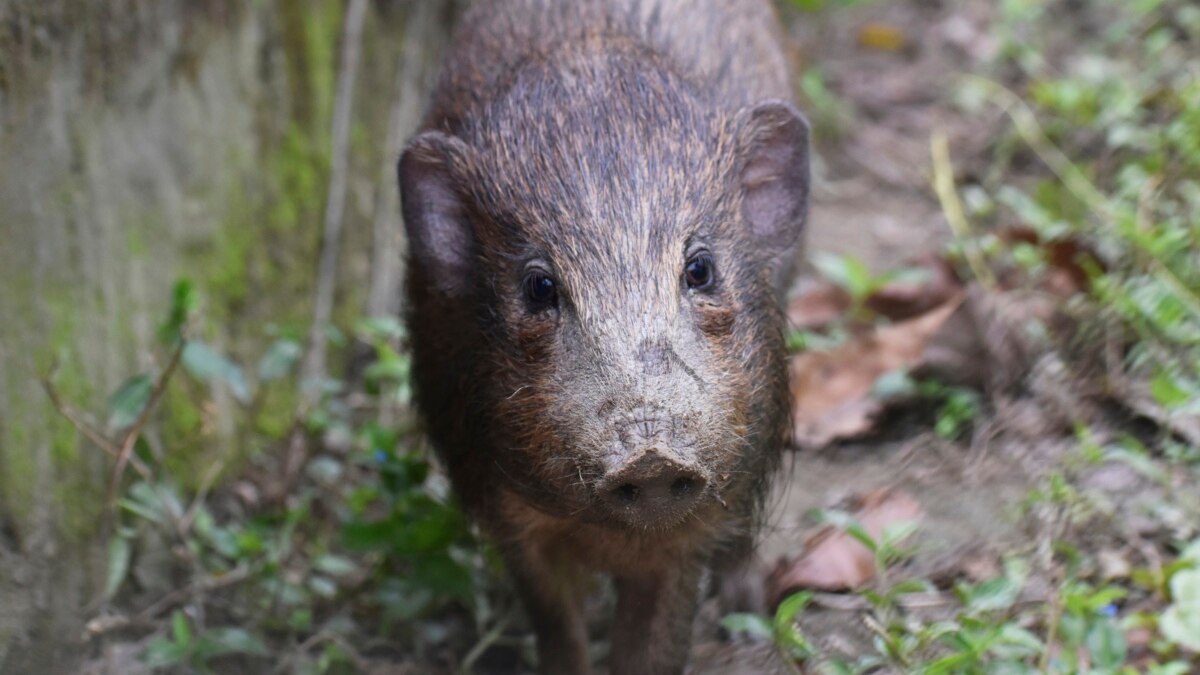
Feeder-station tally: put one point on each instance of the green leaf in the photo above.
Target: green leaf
(380, 329)
(127, 402)
(1107, 644)
(335, 565)
(325, 470)
(278, 360)
(893, 385)
(180, 629)
(1172, 668)
(750, 624)
(1015, 642)
(954, 663)
(164, 653)
(322, 586)
(119, 552)
(206, 364)
(1180, 623)
(991, 595)
(388, 369)
(791, 607)
(846, 271)
(184, 301)
(863, 537)
(143, 510)
(1105, 596)
(221, 539)
(232, 640)
(368, 535)
(896, 533)
(442, 574)
(1138, 461)
(907, 276)
(1167, 391)
(909, 587)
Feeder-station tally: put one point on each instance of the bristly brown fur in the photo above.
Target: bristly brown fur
(605, 142)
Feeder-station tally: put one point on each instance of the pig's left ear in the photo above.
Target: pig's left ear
(773, 171)
(440, 237)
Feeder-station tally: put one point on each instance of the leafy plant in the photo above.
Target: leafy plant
(853, 275)
(782, 629)
(1180, 622)
(196, 650)
(368, 515)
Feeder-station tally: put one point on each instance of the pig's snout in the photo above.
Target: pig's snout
(653, 488)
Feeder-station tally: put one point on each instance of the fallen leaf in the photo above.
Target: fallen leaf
(834, 560)
(1067, 261)
(832, 390)
(818, 306)
(931, 282)
(1113, 564)
(881, 36)
(981, 566)
(986, 343)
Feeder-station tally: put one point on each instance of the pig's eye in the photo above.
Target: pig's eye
(699, 270)
(540, 289)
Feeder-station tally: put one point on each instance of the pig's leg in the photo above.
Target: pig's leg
(652, 630)
(551, 589)
(738, 574)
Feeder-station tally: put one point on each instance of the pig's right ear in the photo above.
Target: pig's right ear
(774, 179)
(440, 236)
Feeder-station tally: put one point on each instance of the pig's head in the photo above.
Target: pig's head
(617, 240)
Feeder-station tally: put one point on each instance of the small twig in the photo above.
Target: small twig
(1056, 608)
(206, 484)
(122, 451)
(360, 664)
(486, 641)
(86, 428)
(206, 585)
(125, 450)
(314, 363)
(387, 257)
(943, 185)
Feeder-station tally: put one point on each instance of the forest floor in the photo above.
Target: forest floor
(1011, 496)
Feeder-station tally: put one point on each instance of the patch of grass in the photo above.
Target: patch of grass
(1113, 132)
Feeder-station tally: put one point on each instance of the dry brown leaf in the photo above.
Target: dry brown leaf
(835, 561)
(1067, 262)
(818, 306)
(981, 566)
(821, 303)
(882, 36)
(904, 299)
(832, 390)
(985, 343)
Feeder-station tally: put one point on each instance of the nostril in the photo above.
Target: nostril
(682, 487)
(627, 493)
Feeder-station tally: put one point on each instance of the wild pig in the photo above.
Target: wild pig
(602, 209)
